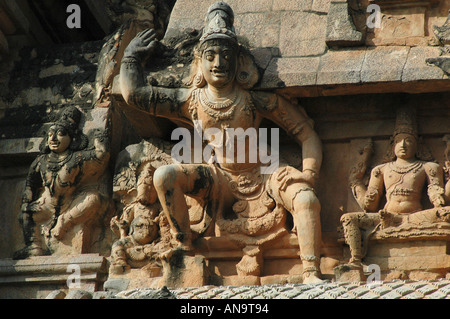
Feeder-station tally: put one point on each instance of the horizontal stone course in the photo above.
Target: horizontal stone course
(353, 66)
(297, 29)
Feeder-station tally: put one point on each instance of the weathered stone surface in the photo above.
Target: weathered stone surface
(341, 66)
(36, 277)
(344, 273)
(185, 271)
(263, 56)
(416, 67)
(384, 64)
(321, 6)
(300, 31)
(302, 34)
(341, 30)
(285, 72)
(20, 146)
(292, 5)
(256, 34)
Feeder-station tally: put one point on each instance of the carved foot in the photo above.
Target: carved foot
(311, 275)
(248, 266)
(251, 262)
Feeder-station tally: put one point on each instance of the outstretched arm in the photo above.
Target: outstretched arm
(136, 92)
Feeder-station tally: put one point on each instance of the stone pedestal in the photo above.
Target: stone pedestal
(281, 262)
(36, 277)
(185, 271)
(415, 259)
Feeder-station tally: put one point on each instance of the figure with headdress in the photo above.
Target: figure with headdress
(400, 181)
(244, 204)
(62, 188)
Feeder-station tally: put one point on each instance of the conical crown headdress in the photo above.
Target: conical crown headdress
(406, 122)
(70, 119)
(219, 23)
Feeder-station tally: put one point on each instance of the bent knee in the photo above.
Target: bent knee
(306, 200)
(166, 177)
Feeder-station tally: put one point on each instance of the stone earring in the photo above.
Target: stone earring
(199, 80)
(243, 77)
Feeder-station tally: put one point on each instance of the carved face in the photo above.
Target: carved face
(58, 139)
(405, 146)
(144, 231)
(219, 64)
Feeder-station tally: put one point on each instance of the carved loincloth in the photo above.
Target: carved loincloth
(259, 219)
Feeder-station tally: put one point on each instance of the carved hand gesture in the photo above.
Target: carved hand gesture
(286, 178)
(142, 46)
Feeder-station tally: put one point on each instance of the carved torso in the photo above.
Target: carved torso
(240, 115)
(63, 177)
(404, 185)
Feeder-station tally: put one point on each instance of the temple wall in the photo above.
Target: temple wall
(350, 88)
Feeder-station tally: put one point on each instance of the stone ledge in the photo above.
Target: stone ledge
(357, 70)
(286, 72)
(51, 264)
(341, 66)
(16, 146)
(34, 276)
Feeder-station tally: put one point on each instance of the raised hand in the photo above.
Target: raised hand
(142, 46)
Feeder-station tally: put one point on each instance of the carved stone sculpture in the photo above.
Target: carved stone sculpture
(407, 170)
(142, 227)
(238, 200)
(62, 188)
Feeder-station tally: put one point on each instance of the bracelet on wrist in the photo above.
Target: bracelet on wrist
(130, 59)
